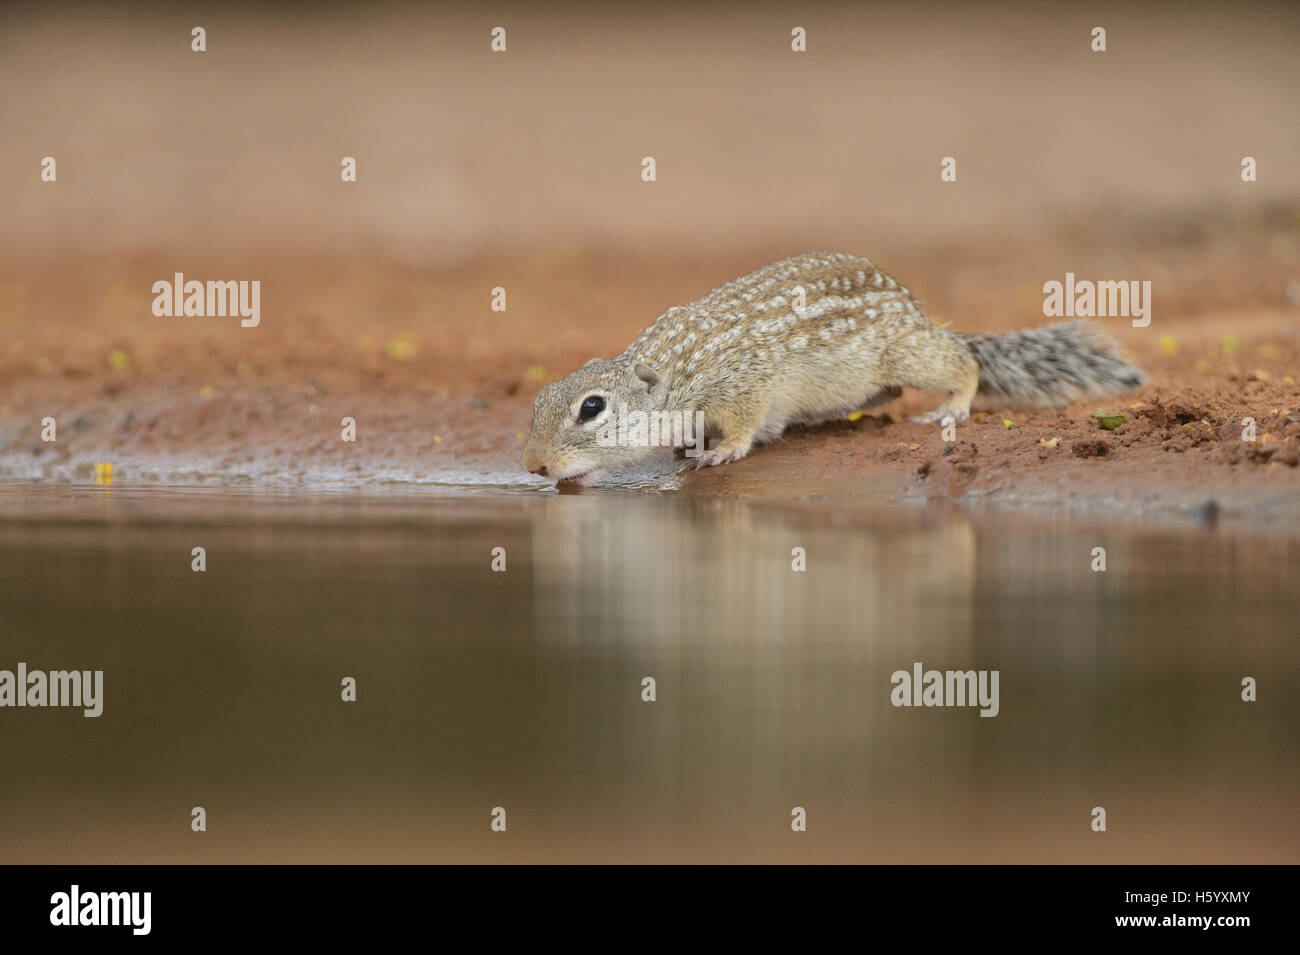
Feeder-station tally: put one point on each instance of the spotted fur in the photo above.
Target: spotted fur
(800, 341)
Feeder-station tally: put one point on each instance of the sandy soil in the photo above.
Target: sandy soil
(441, 387)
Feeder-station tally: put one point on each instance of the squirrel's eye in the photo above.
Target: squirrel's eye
(591, 407)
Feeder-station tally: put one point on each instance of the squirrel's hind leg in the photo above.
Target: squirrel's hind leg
(955, 406)
(938, 361)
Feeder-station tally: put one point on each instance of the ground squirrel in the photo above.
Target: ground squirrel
(801, 341)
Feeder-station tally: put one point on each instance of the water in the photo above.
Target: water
(523, 689)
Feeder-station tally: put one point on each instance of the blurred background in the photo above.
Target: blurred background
(465, 154)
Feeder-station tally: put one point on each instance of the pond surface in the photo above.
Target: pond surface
(523, 689)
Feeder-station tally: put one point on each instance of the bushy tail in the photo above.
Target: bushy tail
(1052, 366)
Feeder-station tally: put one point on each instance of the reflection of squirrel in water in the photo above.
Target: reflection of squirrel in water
(801, 341)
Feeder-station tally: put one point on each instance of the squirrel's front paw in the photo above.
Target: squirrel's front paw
(711, 458)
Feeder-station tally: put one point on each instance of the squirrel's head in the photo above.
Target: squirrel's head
(575, 431)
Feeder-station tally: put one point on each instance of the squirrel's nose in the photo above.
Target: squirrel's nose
(533, 464)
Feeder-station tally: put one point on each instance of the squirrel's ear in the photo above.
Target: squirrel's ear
(647, 375)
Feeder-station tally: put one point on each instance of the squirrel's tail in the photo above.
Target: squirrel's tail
(1051, 366)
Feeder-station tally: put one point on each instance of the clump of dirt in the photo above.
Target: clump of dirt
(951, 473)
(1225, 426)
(1091, 448)
(1177, 411)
